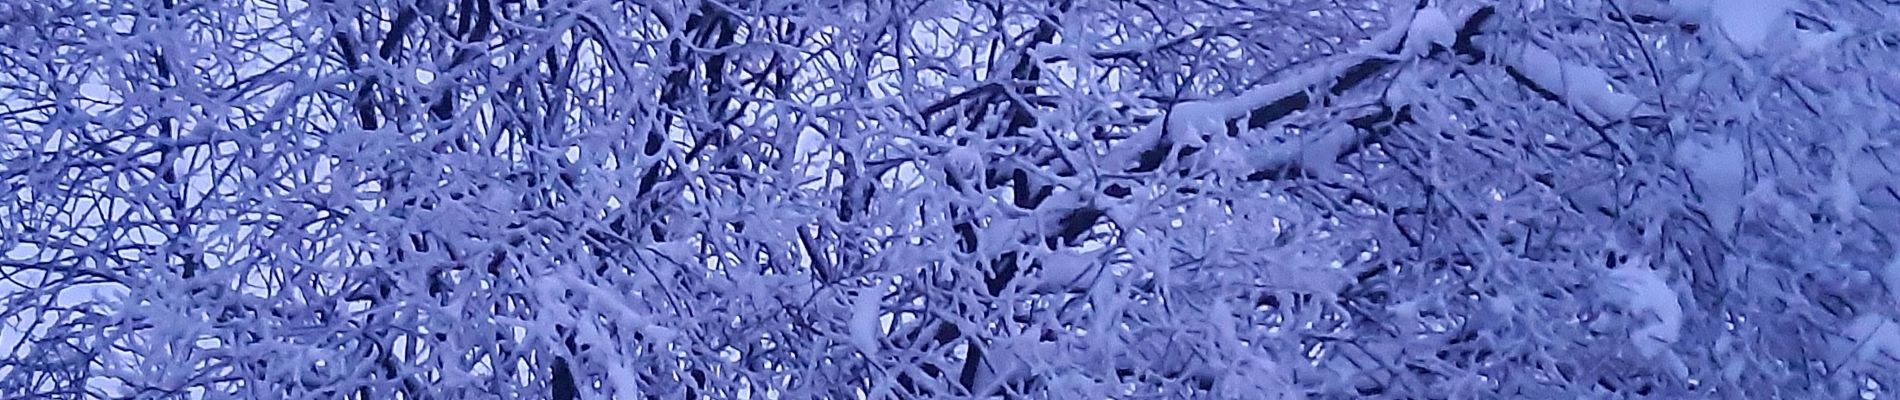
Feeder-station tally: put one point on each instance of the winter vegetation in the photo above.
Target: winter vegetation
(872, 199)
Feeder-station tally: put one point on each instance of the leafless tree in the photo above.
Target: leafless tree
(948, 198)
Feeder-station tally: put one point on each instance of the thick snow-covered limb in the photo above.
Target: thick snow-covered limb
(1190, 121)
(1587, 88)
(1316, 151)
(1320, 155)
(1065, 271)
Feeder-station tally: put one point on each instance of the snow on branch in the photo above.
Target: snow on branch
(1191, 123)
(1584, 87)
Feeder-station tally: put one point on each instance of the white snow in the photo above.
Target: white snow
(1872, 336)
(1191, 122)
(1591, 197)
(949, 11)
(1868, 172)
(1430, 26)
(1009, 358)
(1891, 276)
(1106, 303)
(1750, 24)
(626, 380)
(1228, 157)
(1718, 168)
(1689, 10)
(1064, 270)
(1584, 87)
(1815, 43)
(865, 308)
(1127, 152)
(1843, 191)
(963, 162)
(1268, 149)
(1314, 151)
(1649, 293)
(1765, 201)
(1320, 155)
(1843, 199)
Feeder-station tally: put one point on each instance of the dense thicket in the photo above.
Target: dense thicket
(946, 198)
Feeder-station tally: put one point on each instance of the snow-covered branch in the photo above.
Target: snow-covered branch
(948, 199)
